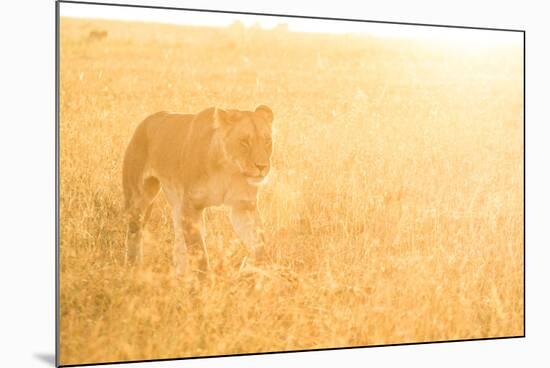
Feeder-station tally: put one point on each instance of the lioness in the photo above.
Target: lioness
(216, 157)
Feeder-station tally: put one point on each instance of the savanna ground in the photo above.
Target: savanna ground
(394, 212)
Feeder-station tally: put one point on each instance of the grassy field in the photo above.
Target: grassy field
(394, 212)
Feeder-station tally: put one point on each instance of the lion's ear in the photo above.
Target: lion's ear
(265, 112)
(220, 117)
(225, 117)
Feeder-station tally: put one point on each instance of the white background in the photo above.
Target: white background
(27, 183)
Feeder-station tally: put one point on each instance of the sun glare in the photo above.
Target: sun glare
(467, 37)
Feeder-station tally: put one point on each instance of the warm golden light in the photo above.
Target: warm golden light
(393, 212)
(466, 37)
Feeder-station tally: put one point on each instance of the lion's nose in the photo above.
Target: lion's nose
(261, 167)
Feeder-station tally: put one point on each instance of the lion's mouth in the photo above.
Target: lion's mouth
(256, 180)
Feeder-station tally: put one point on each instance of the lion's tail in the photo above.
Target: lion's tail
(135, 160)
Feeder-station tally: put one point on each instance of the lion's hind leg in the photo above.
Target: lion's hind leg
(139, 203)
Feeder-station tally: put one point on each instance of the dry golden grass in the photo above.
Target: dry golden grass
(394, 213)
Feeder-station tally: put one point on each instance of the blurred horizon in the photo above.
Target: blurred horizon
(467, 37)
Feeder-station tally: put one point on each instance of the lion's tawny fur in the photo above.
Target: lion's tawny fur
(216, 157)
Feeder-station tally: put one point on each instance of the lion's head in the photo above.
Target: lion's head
(247, 140)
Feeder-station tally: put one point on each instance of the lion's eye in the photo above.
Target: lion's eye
(245, 143)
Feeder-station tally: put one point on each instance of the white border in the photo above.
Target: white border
(27, 185)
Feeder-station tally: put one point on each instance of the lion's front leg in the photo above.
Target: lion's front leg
(247, 224)
(191, 228)
(188, 223)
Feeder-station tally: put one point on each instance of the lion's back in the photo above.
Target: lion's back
(171, 144)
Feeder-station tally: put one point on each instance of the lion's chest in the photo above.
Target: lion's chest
(220, 189)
